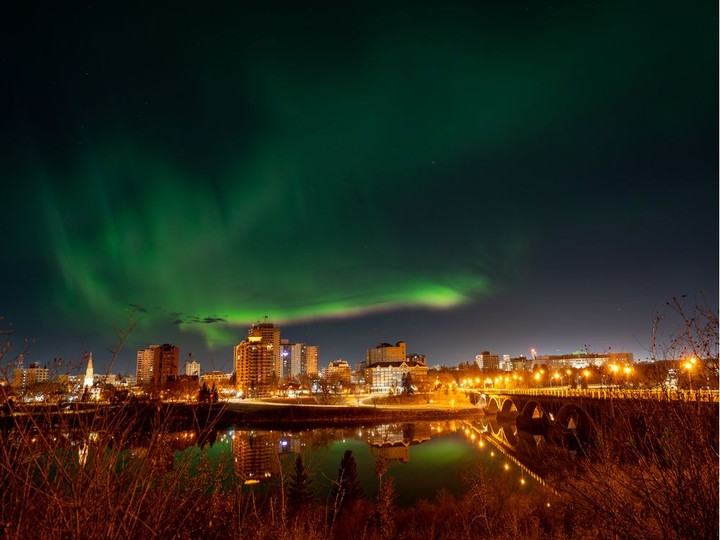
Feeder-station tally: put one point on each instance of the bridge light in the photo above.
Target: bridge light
(507, 467)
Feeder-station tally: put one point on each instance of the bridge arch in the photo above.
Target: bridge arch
(508, 409)
(573, 425)
(533, 409)
(492, 406)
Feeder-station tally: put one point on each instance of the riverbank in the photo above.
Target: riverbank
(262, 414)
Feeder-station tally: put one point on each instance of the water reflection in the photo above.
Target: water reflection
(423, 457)
(255, 455)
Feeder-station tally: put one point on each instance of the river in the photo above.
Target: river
(423, 458)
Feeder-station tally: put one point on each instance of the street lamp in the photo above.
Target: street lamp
(689, 365)
(627, 370)
(614, 369)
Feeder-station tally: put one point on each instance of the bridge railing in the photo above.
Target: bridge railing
(613, 393)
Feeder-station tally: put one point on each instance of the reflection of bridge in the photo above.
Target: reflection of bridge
(509, 442)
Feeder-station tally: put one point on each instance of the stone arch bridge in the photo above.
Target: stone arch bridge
(579, 414)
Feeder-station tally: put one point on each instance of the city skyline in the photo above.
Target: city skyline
(461, 177)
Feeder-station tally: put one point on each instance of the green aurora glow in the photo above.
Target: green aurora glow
(312, 164)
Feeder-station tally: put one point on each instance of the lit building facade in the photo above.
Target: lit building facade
(297, 359)
(165, 363)
(310, 367)
(157, 364)
(145, 359)
(338, 370)
(385, 352)
(25, 377)
(487, 362)
(192, 368)
(388, 364)
(257, 358)
(387, 377)
(582, 359)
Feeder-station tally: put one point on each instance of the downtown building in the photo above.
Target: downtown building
(157, 364)
(338, 370)
(387, 365)
(23, 378)
(487, 362)
(297, 359)
(582, 359)
(256, 359)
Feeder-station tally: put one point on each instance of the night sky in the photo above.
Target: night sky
(469, 176)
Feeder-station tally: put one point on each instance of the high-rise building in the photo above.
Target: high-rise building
(165, 363)
(257, 358)
(297, 359)
(487, 362)
(157, 364)
(145, 361)
(310, 365)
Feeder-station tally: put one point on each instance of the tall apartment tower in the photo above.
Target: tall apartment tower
(487, 362)
(257, 358)
(297, 359)
(165, 363)
(145, 360)
(310, 366)
(157, 364)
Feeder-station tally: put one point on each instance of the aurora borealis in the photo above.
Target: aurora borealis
(463, 177)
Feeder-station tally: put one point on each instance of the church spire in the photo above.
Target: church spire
(89, 372)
